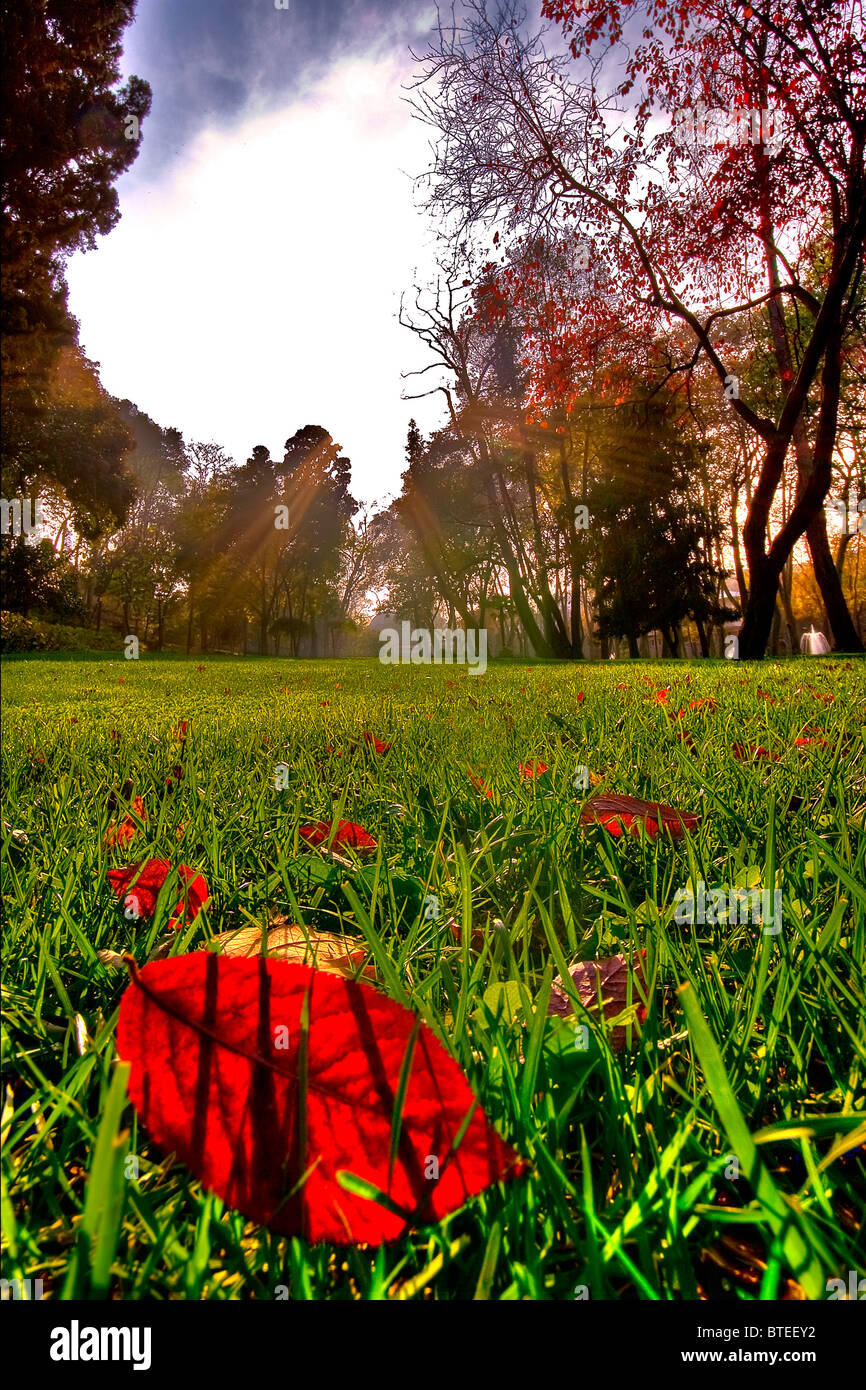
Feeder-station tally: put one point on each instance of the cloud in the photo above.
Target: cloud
(252, 288)
(216, 61)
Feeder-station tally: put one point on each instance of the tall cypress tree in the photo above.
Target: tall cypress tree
(68, 130)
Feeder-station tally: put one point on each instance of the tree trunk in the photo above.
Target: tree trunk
(785, 596)
(761, 605)
(518, 593)
(765, 566)
(829, 581)
(774, 629)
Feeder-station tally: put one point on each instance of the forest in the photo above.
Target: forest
(647, 341)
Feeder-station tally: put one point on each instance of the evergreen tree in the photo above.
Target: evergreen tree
(68, 131)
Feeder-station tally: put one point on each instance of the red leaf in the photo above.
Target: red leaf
(530, 770)
(347, 834)
(215, 1078)
(476, 935)
(480, 785)
(377, 743)
(616, 812)
(121, 834)
(754, 752)
(141, 901)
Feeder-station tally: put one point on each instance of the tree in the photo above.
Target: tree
(285, 529)
(359, 569)
(468, 346)
(448, 521)
(68, 131)
(138, 563)
(34, 578)
(648, 536)
(524, 145)
(200, 534)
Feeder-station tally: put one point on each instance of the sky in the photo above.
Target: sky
(268, 228)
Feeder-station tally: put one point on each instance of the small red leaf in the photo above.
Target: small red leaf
(217, 1051)
(377, 743)
(618, 812)
(752, 751)
(480, 785)
(348, 835)
(530, 770)
(121, 833)
(140, 901)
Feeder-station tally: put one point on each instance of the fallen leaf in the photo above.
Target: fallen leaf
(616, 813)
(480, 785)
(530, 770)
(122, 833)
(289, 942)
(752, 751)
(140, 901)
(612, 979)
(476, 934)
(347, 835)
(377, 743)
(112, 960)
(270, 1081)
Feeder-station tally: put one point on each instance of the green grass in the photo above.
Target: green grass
(754, 1045)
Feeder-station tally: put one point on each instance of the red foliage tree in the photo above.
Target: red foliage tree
(752, 223)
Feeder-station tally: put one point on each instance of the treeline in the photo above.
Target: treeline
(210, 555)
(602, 473)
(561, 539)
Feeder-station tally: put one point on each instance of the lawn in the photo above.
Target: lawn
(717, 1153)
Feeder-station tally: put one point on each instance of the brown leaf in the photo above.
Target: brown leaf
(301, 946)
(619, 985)
(112, 960)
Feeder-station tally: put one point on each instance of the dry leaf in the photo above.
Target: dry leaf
(300, 946)
(619, 984)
